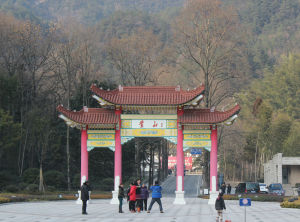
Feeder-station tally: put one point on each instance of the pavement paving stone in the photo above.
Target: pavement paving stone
(196, 210)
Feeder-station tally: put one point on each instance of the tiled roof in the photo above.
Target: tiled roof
(91, 116)
(148, 95)
(207, 116)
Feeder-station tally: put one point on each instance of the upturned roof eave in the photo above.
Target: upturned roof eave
(97, 91)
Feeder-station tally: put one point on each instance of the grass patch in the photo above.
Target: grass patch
(21, 197)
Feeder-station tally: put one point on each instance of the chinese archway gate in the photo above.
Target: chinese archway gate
(182, 123)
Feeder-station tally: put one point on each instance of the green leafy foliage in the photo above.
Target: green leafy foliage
(31, 176)
(55, 178)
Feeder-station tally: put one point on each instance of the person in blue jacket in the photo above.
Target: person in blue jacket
(156, 195)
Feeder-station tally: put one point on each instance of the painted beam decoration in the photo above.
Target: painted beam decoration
(101, 138)
(196, 139)
(149, 126)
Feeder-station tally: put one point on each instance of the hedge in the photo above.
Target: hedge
(294, 204)
(254, 197)
(6, 198)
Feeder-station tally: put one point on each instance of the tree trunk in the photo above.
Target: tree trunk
(159, 162)
(41, 184)
(68, 148)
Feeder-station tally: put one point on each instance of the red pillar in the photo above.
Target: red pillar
(84, 157)
(180, 154)
(118, 152)
(214, 159)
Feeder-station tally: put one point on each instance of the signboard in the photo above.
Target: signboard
(188, 161)
(101, 138)
(199, 143)
(196, 151)
(149, 124)
(196, 138)
(148, 132)
(101, 143)
(245, 202)
(204, 136)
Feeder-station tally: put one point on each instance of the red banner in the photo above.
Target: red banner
(172, 162)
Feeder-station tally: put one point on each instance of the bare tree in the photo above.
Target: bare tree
(135, 57)
(65, 61)
(206, 35)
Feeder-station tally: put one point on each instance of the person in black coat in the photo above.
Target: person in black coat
(228, 189)
(223, 187)
(121, 196)
(85, 195)
(220, 205)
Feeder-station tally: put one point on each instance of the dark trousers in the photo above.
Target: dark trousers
(84, 206)
(132, 205)
(144, 204)
(153, 201)
(139, 203)
(120, 204)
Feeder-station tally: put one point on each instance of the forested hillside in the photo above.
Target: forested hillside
(53, 50)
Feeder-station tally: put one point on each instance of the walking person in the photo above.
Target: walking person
(144, 196)
(220, 205)
(132, 197)
(121, 196)
(156, 195)
(85, 195)
(228, 189)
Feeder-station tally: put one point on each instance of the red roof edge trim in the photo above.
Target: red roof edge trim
(148, 95)
(205, 116)
(90, 116)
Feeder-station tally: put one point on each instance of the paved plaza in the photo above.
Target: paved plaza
(100, 210)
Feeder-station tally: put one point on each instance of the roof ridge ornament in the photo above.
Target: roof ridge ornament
(177, 89)
(85, 109)
(120, 88)
(212, 109)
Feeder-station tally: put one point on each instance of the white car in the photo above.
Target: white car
(263, 188)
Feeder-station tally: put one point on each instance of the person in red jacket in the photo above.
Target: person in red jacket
(132, 198)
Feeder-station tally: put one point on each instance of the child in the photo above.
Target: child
(220, 205)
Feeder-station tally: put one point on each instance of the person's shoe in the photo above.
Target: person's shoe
(161, 211)
(84, 213)
(148, 211)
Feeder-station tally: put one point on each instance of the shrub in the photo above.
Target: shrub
(297, 185)
(6, 179)
(50, 188)
(22, 186)
(31, 176)
(12, 188)
(32, 188)
(4, 200)
(287, 204)
(254, 197)
(55, 178)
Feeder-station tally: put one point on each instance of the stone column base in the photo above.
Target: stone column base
(212, 197)
(79, 201)
(179, 198)
(114, 199)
